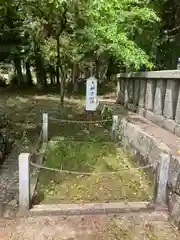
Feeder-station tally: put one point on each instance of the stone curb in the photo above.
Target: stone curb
(91, 209)
(150, 149)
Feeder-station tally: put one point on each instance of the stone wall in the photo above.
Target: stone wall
(151, 149)
(154, 95)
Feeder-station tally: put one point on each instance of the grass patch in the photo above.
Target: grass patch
(92, 157)
(88, 148)
(90, 154)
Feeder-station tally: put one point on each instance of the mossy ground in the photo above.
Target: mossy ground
(89, 148)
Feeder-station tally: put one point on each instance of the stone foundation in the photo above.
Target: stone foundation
(150, 148)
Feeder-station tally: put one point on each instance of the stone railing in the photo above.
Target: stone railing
(154, 95)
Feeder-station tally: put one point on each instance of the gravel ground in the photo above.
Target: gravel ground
(129, 227)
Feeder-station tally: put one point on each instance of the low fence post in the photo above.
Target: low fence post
(162, 180)
(24, 183)
(45, 127)
(114, 127)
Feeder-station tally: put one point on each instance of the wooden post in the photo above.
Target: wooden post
(45, 127)
(114, 127)
(162, 179)
(24, 183)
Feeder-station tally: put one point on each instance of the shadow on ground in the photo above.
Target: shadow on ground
(25, 109)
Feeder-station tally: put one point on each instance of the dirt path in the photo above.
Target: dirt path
(139, 226)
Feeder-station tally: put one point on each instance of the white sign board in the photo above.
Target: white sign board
(91, 94)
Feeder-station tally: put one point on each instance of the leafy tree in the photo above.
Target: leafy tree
(114, 28)
(11, 35)
(96, 29)
(67, 37)
(168, 36)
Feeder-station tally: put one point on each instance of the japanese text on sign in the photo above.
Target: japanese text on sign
(91, 94)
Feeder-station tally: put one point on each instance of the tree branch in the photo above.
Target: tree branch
(173, 30)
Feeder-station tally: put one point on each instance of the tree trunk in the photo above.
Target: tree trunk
(87, 73)
(75, 76)
(52, 78)
(28, 74)
(17, 63)
(58, 60)
(40, 72)
(97, 62)
(62, 92)
(52, 73)
(43, 72)
(62, 84)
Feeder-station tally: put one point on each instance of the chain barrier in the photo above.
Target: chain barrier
(79, 121)
(112, 174)
(90, 173)
(81, 142)
(38, 166)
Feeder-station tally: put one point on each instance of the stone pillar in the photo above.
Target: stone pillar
(136, 92)
(170, 99)
(159, 98)
(142, 93)
(122, 83)
(24, 183)
(45, 127)
(114, 127)
(149, 99)
(162, 179)
(130, 90)
(120, 91)
(177, 117)
(126, 96)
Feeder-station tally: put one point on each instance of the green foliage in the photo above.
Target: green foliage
(85, 33)
(95, 27)
(114, 26)
(10, 30)
(167, 37)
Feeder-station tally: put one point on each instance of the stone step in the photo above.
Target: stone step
(93, 208)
